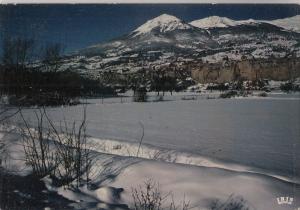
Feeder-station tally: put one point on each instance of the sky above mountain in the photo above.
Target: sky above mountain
(79, 26)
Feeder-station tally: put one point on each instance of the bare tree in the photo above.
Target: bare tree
(17, 52)
(52, 57)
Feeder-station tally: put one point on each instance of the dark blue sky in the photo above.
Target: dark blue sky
(78, 26)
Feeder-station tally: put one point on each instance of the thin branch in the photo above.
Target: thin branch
(141, 139)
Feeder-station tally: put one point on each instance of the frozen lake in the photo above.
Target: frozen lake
(262, 133)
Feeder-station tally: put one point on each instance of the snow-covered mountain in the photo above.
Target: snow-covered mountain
(167, 39)
(291, 23)
(162, 33)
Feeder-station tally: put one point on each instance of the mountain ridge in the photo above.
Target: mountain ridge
(166, 40)
(289, 23)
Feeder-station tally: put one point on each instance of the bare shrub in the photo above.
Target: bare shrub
(161, 155)
(68, 159)
(36, 146)
(184, 205)
(73, 153)
(156, 155)
(150, 197)
(232, 203)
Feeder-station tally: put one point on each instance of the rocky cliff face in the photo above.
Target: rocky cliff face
(273, 69)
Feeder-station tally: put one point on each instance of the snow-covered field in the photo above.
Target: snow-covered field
(255, 131)
(199, 149)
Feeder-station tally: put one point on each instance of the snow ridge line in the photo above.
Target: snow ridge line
(129, 149)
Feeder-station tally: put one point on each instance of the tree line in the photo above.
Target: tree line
(31, 75)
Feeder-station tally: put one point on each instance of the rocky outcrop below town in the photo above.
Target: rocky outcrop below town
(280, 69)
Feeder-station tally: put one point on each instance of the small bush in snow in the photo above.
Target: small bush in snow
(289, 86)
(232, 203)
(229, 94)
(140, 95)
(264, 94)
(150, 197)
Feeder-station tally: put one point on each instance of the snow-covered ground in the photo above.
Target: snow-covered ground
(201, 185)
(254, 131)
(114, 177)
(198, 149)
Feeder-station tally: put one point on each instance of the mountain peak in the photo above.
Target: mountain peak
(162, 23)
(166, 17)
(213, 22)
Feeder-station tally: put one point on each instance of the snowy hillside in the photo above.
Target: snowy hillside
(220, 22)
(213, 21)
(291, 23)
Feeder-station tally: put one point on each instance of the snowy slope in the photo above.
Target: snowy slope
(114, 177)
(201, 185)
(291, 23)
(220, 22)
(213, 21)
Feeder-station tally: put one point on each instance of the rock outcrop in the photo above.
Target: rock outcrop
(228, 71)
